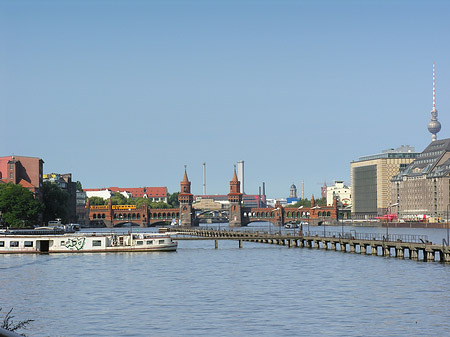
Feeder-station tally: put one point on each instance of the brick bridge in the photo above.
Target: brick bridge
(279, 215)
(117, 215)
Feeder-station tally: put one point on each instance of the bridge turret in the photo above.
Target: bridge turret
(235, 199)
(186, 199)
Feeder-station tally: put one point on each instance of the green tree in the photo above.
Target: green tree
(307, 203)
(97, 201)
(18, 206)
(141, 201)
(172, 200)
(302, 202)
(79, 187)
(55, 202)
(119, 199)
(159, 205)
(321, 201)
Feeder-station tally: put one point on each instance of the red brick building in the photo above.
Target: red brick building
(153, 193)
(26, 171)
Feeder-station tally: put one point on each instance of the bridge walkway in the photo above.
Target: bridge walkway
(414, 247)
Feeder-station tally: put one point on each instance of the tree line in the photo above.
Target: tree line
(120, 199)
(19, 208)
(307, 203)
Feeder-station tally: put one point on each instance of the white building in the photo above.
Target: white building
(104, 194)
(341, 191)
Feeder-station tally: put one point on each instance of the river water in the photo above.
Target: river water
(259, 290)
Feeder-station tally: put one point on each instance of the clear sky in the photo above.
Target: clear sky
(125, 93)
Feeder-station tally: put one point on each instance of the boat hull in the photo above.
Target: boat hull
(112, 243)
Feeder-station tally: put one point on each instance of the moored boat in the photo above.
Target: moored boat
(14, 242)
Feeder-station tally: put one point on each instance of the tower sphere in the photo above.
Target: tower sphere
(434, 126)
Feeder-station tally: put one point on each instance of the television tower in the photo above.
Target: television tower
(434, 126)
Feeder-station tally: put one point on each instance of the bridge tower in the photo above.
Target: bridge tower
(235, 199)
(186, 199)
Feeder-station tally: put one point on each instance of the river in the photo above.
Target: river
(259, 290)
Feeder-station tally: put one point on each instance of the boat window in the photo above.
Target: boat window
(139, 243)
(28, 244)
(96, 243)
(161, 242)
(63, 243)
(14, 244)
(150, 242)
(2, 243)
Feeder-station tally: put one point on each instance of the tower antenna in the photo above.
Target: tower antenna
(434, 126)
(434, 89)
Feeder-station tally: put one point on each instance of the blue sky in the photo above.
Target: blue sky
(125, 93)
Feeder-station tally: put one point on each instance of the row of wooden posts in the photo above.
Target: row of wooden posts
(425, 251)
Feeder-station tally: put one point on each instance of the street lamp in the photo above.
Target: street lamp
(447, 222)
(324, 225)
(280, 223)
(307, 217)
(301, 222)
(388, 211)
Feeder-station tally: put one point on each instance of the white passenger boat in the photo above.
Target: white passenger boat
(34, 241)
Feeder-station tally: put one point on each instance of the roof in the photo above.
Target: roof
(137, 192)
(26, 184)
(433, 162)
(185, 177)
(235, 179)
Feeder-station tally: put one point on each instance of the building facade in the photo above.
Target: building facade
(370, 180)
(25, 171)
(422, 190)
(65, 183)
(342, 192)
(82, 210)
(155, 194)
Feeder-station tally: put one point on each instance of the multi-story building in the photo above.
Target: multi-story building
(99, 193)
(65, 183)
(248, 200)
(155, 194)
(82, 210)
(26, 171)
(370, 180)
(422, 190)
(341, 191)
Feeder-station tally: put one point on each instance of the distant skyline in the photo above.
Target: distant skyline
(125, 93)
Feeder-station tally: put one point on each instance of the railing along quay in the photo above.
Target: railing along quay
(414, 247)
